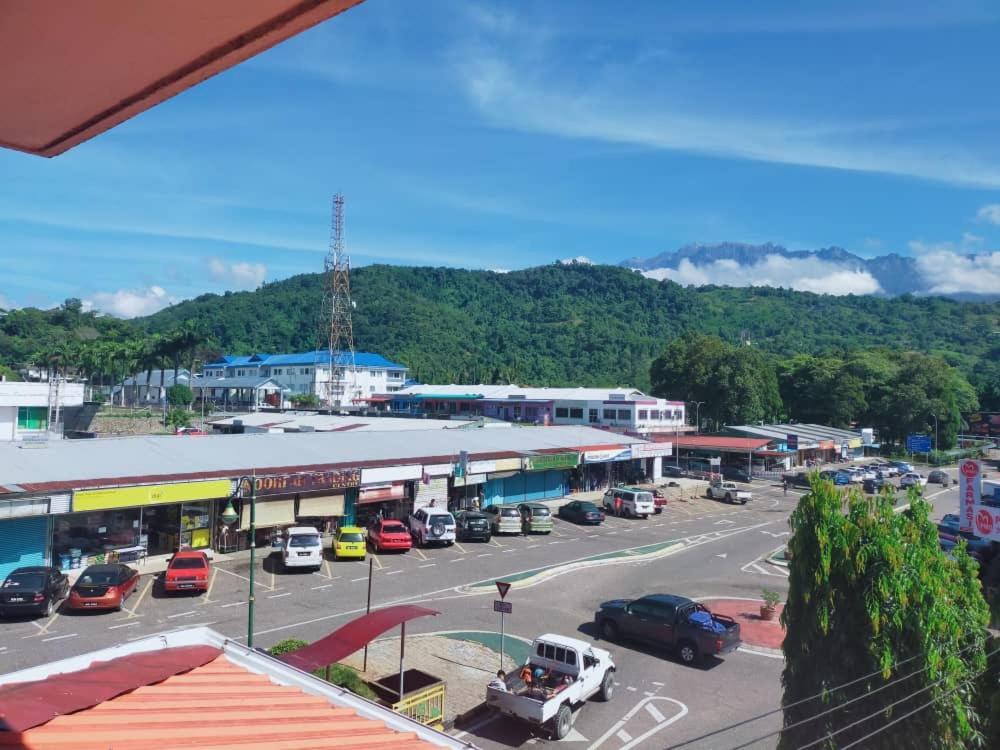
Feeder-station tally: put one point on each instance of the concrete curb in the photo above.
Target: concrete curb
(468, 717)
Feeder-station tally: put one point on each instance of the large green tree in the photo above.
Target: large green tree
(821, 390)
(871, 593)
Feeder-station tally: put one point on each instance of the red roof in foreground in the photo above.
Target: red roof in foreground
(217, 706)
(353, 636)
(718, 442)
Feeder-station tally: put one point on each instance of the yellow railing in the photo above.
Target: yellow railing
(425, 706)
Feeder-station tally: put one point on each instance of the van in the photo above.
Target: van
(302, 547)
(535, 518)
(634, 502)
(504, 519)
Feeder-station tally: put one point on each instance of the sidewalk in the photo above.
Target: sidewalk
(754, 631)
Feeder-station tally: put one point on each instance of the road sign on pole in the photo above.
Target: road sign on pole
(503, 587)
(918, 443)
(504, 608)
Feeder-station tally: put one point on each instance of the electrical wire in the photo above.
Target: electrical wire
(830, 710)
(799, 702)
(905, 698)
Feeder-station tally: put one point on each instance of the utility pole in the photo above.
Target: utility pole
(697, 411)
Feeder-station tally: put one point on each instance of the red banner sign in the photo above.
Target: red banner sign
(287, 484)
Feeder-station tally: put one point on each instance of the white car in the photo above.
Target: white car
(630, 502)
(429, 525)
(302, 547)
(913, 479)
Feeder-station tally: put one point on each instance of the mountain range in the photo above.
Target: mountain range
(830, 270)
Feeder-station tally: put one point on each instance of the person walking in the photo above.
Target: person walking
(784, 486)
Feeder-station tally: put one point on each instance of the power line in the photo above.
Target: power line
(830, 710)
(905, 698)
(799, 702)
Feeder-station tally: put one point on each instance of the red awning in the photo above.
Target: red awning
(352, 637)
(24, 705)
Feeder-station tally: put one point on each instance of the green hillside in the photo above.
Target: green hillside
(575, 324)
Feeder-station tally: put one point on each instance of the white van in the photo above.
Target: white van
(633, 502)
(302, 547)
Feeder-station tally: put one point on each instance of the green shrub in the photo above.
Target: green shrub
(178, 418)
(287, 646)
(179, 396)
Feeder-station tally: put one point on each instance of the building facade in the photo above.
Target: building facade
(618, 409)
(149, 388)
(26, 408)
(310, 373)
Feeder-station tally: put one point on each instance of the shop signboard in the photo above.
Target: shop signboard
(970, 477)
(610, 454)
(149, 494)
(987, 522)
(506, 464)
(481, 467)
(651, 450)
(285, 484)
(552, 461)
(383, 474)
(792, 441)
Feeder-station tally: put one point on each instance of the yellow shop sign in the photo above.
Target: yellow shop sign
(149, 494)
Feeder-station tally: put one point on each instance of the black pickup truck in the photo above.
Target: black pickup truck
(674, 622)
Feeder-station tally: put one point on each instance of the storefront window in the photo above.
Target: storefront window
(81, 536)
(195, 526)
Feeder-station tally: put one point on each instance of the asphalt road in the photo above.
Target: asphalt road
(698, 548)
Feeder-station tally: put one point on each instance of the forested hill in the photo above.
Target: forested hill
(574, 324)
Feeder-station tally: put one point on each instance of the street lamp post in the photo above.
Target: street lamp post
(697, 411)
(250, 484)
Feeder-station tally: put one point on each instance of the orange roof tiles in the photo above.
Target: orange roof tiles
(218, 706)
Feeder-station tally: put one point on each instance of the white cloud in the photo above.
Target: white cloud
(499, 270)
(803, 274)
(240, 275)
(131, 303)
(582, 259)
(952, 273)
(990, 213)
(970, 239)
(7, 303)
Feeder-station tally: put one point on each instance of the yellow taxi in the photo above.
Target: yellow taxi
(349, 543)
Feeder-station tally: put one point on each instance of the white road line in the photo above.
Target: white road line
(278, 596)
(457, 560)
(485, 554)
(233, 604)
(125, 625)
(532, 546)
(393, 572)
(58, 637)
(231, 573)
(631, 688)
(180, 614)
(428, 565)
(655, 712)
(746, 650)
(318, 588)
(623, 735)
(658, 684)
(363, 578)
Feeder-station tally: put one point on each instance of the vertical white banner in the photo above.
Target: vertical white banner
(970, 477)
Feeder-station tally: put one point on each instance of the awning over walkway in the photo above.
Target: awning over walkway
(77, 69)
(353, 636)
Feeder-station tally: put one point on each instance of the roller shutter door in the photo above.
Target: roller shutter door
(555, 483)
(534, 485)
(269, 513)
(22, 542)
(321, 507)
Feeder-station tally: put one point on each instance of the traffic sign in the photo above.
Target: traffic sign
(502, 607)
(918, 443)
(503, 587)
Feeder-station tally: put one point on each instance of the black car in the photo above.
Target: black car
(673, 471)
(34, 591)
(938, 477)
(472, 526)
(874, 486)
(581, 511)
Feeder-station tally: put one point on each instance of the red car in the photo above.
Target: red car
(187, 571)
(387, 534)
(103, 587)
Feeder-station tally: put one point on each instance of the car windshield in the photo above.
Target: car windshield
(539, 512)
(351, 537)
(587, 507)
(98, 578)
(509, 512)
(305, 540)
(25, 581)
(393, 528)
(644, 497)
(444, 519)
(187, 563)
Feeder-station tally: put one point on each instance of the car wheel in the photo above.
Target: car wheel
(50, 608)
(688, 652)
(562, 722)
(645, 516)
(607, 685)
(729, 498)
(609, 630)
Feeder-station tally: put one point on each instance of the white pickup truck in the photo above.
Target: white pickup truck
(729, 492)
(571, 672)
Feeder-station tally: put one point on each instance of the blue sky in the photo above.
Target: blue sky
(505, 135)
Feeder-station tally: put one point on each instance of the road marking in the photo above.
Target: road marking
(456, 560)
(611, 532)
(724, 520)
(233, 604)
(58, 637)
(623, 735)
(464, 550)
(428, 565)
(555, 541)
(363, 578)
(234, 574)
(378, 563)
(124, 625)
(324, 586)
(631, 688)
(654, 712)
(326, 567)
(393, 572)
(532, 546)
(632, 712)
(485, 554)
(776, 535)
(278, 596)
(180, 614)
(496, 543)
(208, 591)
(135, 606)
(746, 650)
(273, 586)
(723, 555)
(45, 628)
(420, 553)
(658, 684)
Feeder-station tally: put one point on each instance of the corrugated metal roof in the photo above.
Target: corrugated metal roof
(247, 381)
(517, 393)
(217, 706)
(717, 442)
(148, 459)
(326, 422)
(317, 357)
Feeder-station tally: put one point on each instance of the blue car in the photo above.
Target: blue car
(837, 477)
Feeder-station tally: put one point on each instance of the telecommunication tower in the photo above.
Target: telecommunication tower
(342, 388)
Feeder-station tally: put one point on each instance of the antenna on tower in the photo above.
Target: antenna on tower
(337, 306)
